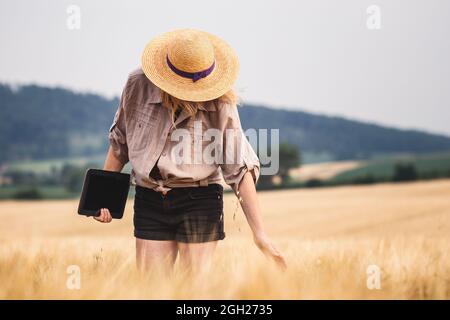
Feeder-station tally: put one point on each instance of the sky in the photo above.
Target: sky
(389, 66)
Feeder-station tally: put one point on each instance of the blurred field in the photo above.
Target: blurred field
(437, 164)
(329, 236)
(324, 171)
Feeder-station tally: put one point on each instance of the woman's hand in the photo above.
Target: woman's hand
(263, 242)
(246, 191)
(105, 216)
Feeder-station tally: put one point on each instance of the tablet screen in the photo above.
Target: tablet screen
(105, 189)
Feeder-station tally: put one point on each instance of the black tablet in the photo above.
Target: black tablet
(104, 189)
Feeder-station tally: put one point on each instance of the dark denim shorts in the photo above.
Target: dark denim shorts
(187, 214)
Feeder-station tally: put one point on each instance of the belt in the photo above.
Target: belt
(158, 179)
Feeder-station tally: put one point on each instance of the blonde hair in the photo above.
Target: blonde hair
(191, 107)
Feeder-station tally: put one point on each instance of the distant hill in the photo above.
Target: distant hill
(44, 123)
(336, 138)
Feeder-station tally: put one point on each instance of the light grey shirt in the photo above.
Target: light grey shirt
(142, 132)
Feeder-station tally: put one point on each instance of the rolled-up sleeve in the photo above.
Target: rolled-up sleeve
(117, 131)
(239, 156)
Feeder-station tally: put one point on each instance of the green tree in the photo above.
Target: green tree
(72, 177)
(289, 159)
(404, 172)
(265, 182)
(30, 193)
(314, 183)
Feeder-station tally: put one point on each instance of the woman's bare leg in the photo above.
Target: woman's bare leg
(196, 257)
(155, 255)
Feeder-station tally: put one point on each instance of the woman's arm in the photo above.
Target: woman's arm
(112, 163)
(250, 206)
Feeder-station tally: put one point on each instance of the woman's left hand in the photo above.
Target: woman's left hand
(264, 243)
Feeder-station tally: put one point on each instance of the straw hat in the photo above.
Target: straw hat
(190, 64)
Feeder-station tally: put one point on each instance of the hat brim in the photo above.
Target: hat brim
(213, 86)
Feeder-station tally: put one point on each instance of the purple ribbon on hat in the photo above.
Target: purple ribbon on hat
(191, 75)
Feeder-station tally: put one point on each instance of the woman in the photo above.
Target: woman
(183, 92)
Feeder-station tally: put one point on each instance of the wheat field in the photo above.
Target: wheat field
(329, 236)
